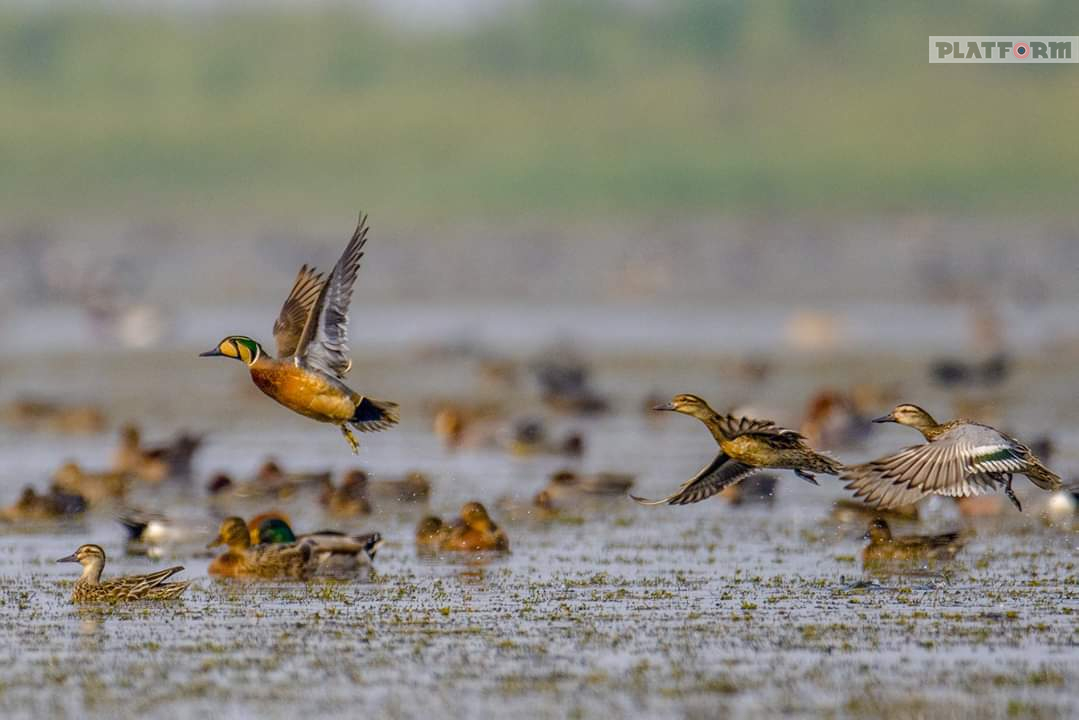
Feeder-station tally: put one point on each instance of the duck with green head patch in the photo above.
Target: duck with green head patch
(311, 333)
(746, 446)
(960, 458)
(334, 552)
(274, 561)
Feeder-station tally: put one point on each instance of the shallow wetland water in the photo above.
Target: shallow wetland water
(702, 611)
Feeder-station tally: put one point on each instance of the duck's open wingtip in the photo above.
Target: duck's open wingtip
(646, 501)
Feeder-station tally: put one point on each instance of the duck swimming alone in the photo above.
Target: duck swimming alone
(90, 588)
(961, 458)
(312, 344)
(746, 446)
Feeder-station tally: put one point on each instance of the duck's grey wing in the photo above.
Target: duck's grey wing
(969, 460)
(289, 325)
(718, 474)
(324, 342)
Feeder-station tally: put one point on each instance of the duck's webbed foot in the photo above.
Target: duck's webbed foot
(808, 477)
(1011, 495)
(352, 442)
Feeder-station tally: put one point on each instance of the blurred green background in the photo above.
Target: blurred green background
(583, 109)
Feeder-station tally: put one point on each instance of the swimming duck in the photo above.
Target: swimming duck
(335, 552)
(311, 333)
(154, 464)
(350, 498)
(989, 372)
(832, 420)
(415, 486)
(272, 479)
(529, 437)
(431, 532)
(565, 385)
(41, 415)
(474, 531)
(96, 487)
(757, 488)
(148, 533)
(883, 546)
(255, 523)
(960, 458)
(746, 447)
(53, 505)
(466, 425)
(566, 484)
(268, 562)
(90, 588)
(850, 511)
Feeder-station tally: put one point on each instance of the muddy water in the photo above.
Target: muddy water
(610, 610)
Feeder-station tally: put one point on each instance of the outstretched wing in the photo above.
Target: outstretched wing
(288, 327)
(324, 342)
(970, 460)
(718, 474)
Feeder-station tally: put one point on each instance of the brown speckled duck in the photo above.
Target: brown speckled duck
(90, 588)
(883, 546)
(746, 446)
(960, 458)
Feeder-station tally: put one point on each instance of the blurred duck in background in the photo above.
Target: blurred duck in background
(415, 486)
(154, 463)
(884, 547)
(569, 486)
(153, 534)
(849, 511)
(55, 504)
(565, 384)
(473, 531)
(992, 365)
(529, 436)
(95, 487)
(271, 479)
(41, 415)
(349, 499)
(461, 425)
(833, 421)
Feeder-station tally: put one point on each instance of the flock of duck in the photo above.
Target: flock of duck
(959, 459)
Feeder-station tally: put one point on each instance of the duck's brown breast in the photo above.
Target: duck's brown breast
(303, 392)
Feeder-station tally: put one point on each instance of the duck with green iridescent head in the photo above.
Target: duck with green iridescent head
(311, 333)
(274, 561)
(335, 553)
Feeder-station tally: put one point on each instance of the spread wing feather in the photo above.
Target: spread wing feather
(323, 344)
(972, 460)
(289, 325)
(718, 474)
